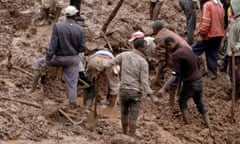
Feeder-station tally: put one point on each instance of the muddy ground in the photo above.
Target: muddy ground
(40, 122)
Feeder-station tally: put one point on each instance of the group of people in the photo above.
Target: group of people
(131, 80)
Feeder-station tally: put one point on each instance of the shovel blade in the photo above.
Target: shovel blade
(92, 118)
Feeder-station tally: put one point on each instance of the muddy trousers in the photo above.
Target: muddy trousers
(70, 66)
(130, 104)
(210, 47)
(77, 4)
(193, 89)
(188, 7)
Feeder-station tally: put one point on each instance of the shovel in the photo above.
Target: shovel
(92, 116)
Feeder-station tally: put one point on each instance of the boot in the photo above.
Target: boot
(171, 98)
(132, 128)
(124, 125)
(112, 100)
(185, 116)
(36, 77)
(57, 14)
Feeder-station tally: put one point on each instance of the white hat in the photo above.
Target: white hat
(136, 35)
(70, 11)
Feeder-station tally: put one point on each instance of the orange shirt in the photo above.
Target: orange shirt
(212, 20)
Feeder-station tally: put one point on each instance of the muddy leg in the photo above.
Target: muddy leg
(36, 77)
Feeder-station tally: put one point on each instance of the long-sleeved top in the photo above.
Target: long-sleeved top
(68, 39)
(234, 37)
(212, 20)
(159, 40)
(134, 71)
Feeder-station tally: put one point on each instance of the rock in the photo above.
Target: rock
(123, 139)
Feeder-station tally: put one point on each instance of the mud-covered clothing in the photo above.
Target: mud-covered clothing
(188, 7)
(96, 64)
(134, 71)
(192, 89)
(234, 37)
(185, 64)
(70, 66)
(212, 20)
(68, 39)
(48, 3)
(159, 40)
(130, 102)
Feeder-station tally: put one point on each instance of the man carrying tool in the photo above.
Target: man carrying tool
(134, 82)
(77, 4)
(189, 8)
(67, 41)
(95, 67)
(185, 66)
(155, 6)
(210, 34)
(234, 44)
(46, 5)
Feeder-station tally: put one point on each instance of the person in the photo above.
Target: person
(185, 66)
(134, 82)
(46, 5)
(161, 33)
(67, 41)
(77, 4)
(85, 81)
(209, 35)
(234, 44)
(95, 66)
(155, 6)
(189, 8)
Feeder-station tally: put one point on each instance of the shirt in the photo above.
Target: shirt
(67, 39)
(212, 20)
(234, 37)
(185, 64)
(134, 71)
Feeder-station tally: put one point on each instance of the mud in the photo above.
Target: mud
(157, 124)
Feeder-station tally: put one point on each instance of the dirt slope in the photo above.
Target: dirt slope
(158, 124)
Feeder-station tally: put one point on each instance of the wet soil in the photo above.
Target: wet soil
(157, 124)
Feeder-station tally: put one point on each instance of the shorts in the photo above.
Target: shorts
(48, 3)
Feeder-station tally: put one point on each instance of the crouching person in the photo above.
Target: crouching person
(134, 82)
(95, 67)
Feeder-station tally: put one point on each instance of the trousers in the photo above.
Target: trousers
(70, 65)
